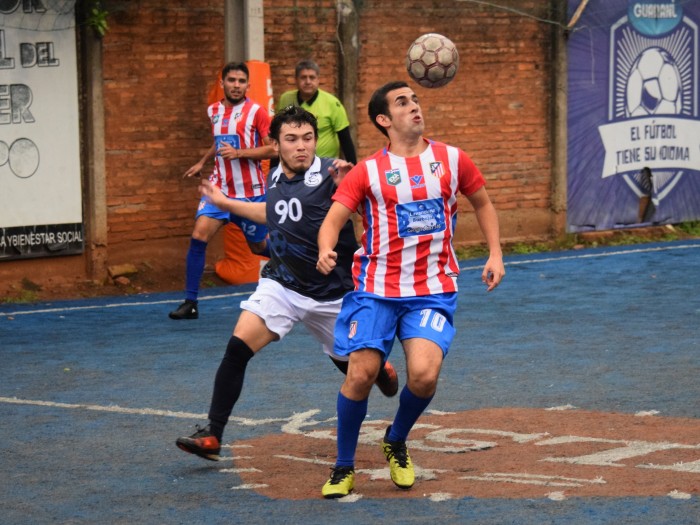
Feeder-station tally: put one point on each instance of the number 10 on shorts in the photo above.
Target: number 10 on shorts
(436, 319)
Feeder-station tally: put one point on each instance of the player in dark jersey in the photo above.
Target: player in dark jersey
(290, 289)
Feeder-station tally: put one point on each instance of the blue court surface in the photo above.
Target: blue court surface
(570, 395)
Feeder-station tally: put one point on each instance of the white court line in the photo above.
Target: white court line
(117, 305)
(138, 411)
(591, 255)
(465, 268)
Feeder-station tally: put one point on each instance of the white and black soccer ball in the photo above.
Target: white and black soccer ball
(654, 85)
(432, 60)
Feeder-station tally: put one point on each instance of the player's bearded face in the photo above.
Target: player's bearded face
(235, 86)
(297, 148)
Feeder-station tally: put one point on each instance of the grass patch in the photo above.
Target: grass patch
(23, 297)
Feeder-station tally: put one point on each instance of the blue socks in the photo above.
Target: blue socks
(410, 409)
(195, 268)
(351, 414)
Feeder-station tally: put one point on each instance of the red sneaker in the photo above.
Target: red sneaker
(202, 443)
(387, 380)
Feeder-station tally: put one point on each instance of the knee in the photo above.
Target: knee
(423, 383)
(238, 352)
(359, 381)
(258, 248)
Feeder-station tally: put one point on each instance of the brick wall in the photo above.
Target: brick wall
(160, 59)
(496, 109)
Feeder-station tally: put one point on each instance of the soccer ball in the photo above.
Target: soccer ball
(432, 60)
(654, 85)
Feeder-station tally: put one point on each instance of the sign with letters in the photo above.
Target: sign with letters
(634, 114)
(40, 181)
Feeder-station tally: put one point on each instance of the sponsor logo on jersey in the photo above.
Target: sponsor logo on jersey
(393, 177)
(417, 182)
(312, 178)
(436, 169)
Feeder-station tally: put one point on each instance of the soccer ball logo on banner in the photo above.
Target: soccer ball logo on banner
(654, 85)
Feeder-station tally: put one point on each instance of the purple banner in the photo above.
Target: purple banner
(633, 114)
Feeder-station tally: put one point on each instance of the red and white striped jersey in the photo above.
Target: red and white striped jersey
(409, 208)
(242, 126)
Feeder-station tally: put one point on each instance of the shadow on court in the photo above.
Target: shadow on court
(95, 392)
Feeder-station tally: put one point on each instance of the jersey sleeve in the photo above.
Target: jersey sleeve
(262, 122)
(339, 116)
(352, 189)
(470, 178)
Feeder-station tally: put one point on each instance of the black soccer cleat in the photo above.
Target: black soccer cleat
(187, 310)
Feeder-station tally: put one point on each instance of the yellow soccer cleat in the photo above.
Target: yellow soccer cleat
(400, 465)
(341, 483)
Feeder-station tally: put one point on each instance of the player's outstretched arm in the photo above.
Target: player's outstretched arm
(197, 168)
(486, 215)
(339, 169)
(266, 151)
(254, 211)
(328, 234)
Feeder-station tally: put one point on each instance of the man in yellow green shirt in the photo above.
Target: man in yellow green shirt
(333, 124)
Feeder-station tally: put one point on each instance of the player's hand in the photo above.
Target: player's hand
(493, 272)
(211, 192)
(194, 170)
(326, 261)
(339, 169)
(227, 151)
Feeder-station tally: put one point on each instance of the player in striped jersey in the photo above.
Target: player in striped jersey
(240, 128)
(405, 272)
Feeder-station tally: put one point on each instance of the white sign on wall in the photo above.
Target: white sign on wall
(40, 182)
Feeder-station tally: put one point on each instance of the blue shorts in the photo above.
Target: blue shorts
(367, 320)
(252, 231)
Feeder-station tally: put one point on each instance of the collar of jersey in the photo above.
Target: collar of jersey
(308, 102)
(386, 151)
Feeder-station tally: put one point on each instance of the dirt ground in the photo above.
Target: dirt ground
(151, 273)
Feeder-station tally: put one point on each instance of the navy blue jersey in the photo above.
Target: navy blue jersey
(295, 210)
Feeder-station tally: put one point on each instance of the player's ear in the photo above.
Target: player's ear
(383, 120)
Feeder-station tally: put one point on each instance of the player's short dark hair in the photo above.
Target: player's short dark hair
(294, 116)
(379, 105)
(306, 64)
(235, 66)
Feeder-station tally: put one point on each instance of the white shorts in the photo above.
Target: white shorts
(282, 308)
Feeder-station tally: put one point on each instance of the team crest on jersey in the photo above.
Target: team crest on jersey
(312, 178)
(417, 182)
(436, 169)
(353, 329)
(393, 177)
